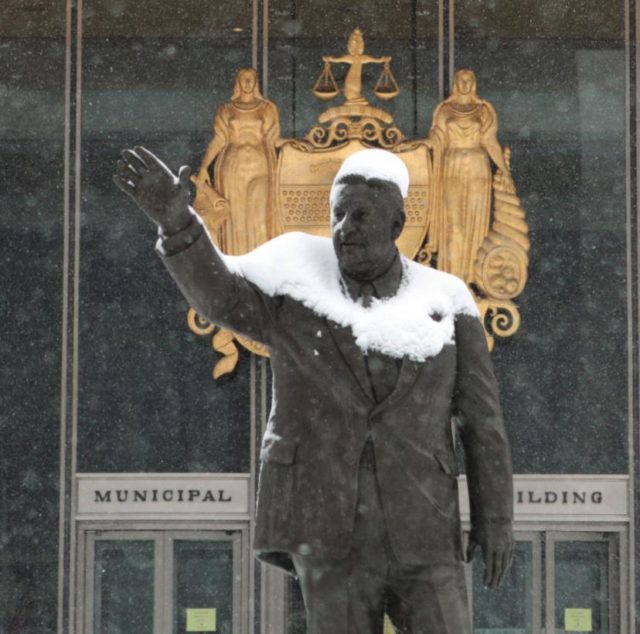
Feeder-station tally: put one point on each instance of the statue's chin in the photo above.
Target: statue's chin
(357, 269)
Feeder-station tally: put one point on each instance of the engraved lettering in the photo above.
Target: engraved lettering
(532, 500)
(139, 496)
(102, 497)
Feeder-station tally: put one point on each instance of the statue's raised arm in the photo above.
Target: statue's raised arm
(193, 261)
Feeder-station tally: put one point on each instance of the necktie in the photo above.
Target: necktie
(381, 369)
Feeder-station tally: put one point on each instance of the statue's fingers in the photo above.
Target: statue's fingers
(126, 170)
(150, 159)
(134, 159)
(489, 566)
(504, 566)
(498, 569)
(124, 184)
(184, 174)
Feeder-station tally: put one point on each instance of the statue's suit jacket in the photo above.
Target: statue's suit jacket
(324, 412)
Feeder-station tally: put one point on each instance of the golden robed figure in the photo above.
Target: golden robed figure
(242, 153)
(463, 214)
(464, 141)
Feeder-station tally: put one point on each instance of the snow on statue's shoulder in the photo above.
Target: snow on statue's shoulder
(416, 322)
(462, 301)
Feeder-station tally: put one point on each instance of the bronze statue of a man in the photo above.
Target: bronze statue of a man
(372, 355)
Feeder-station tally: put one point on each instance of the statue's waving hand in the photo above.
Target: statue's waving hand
(162, 195)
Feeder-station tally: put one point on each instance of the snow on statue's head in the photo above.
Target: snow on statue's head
(371, 164)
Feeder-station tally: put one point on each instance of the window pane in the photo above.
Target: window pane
(32, 120)
(154, 73)
(203, 580)
(555, 72)
(123, 587)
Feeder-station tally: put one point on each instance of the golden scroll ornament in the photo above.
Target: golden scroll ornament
(463, 214)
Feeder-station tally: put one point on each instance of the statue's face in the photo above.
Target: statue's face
(365, 225)
(355, 44)
(464, 83)
(247, 82)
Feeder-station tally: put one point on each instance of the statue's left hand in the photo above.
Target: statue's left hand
(496, 543)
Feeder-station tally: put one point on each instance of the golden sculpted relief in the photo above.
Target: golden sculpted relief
(463, 214)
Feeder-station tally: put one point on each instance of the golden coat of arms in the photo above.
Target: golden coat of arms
(463, 214)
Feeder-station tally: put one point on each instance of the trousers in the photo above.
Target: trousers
(352, 595)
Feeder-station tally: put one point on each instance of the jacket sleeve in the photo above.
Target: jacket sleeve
(482, 432)
(217, 294)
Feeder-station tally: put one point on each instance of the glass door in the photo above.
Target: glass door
(199, 583)
(122, 579)
(163, 582)
(583, 582)
(516, 606)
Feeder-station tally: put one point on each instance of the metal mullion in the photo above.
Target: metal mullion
(158, 586)
(89, 566)
(441, 37)
(550, 583)
(254, 34)
(265, 46)
(168, 606)
(624, 581)
(246, 581)
(536, 579)
(253, 437)
(451, 44)
(612, 584)
(80, 573)
(631, 200)
(238, 596)
(468, 577)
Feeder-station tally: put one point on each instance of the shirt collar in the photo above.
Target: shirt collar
(384, 286)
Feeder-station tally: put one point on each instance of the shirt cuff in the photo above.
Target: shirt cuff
(177, 242)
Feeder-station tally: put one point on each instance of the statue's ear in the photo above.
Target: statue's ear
(398, 224)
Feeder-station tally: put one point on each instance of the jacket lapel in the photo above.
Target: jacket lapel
(352, 356)
(407, 376)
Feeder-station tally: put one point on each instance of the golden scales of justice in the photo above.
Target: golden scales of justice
(326, 87)
(462, 212)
